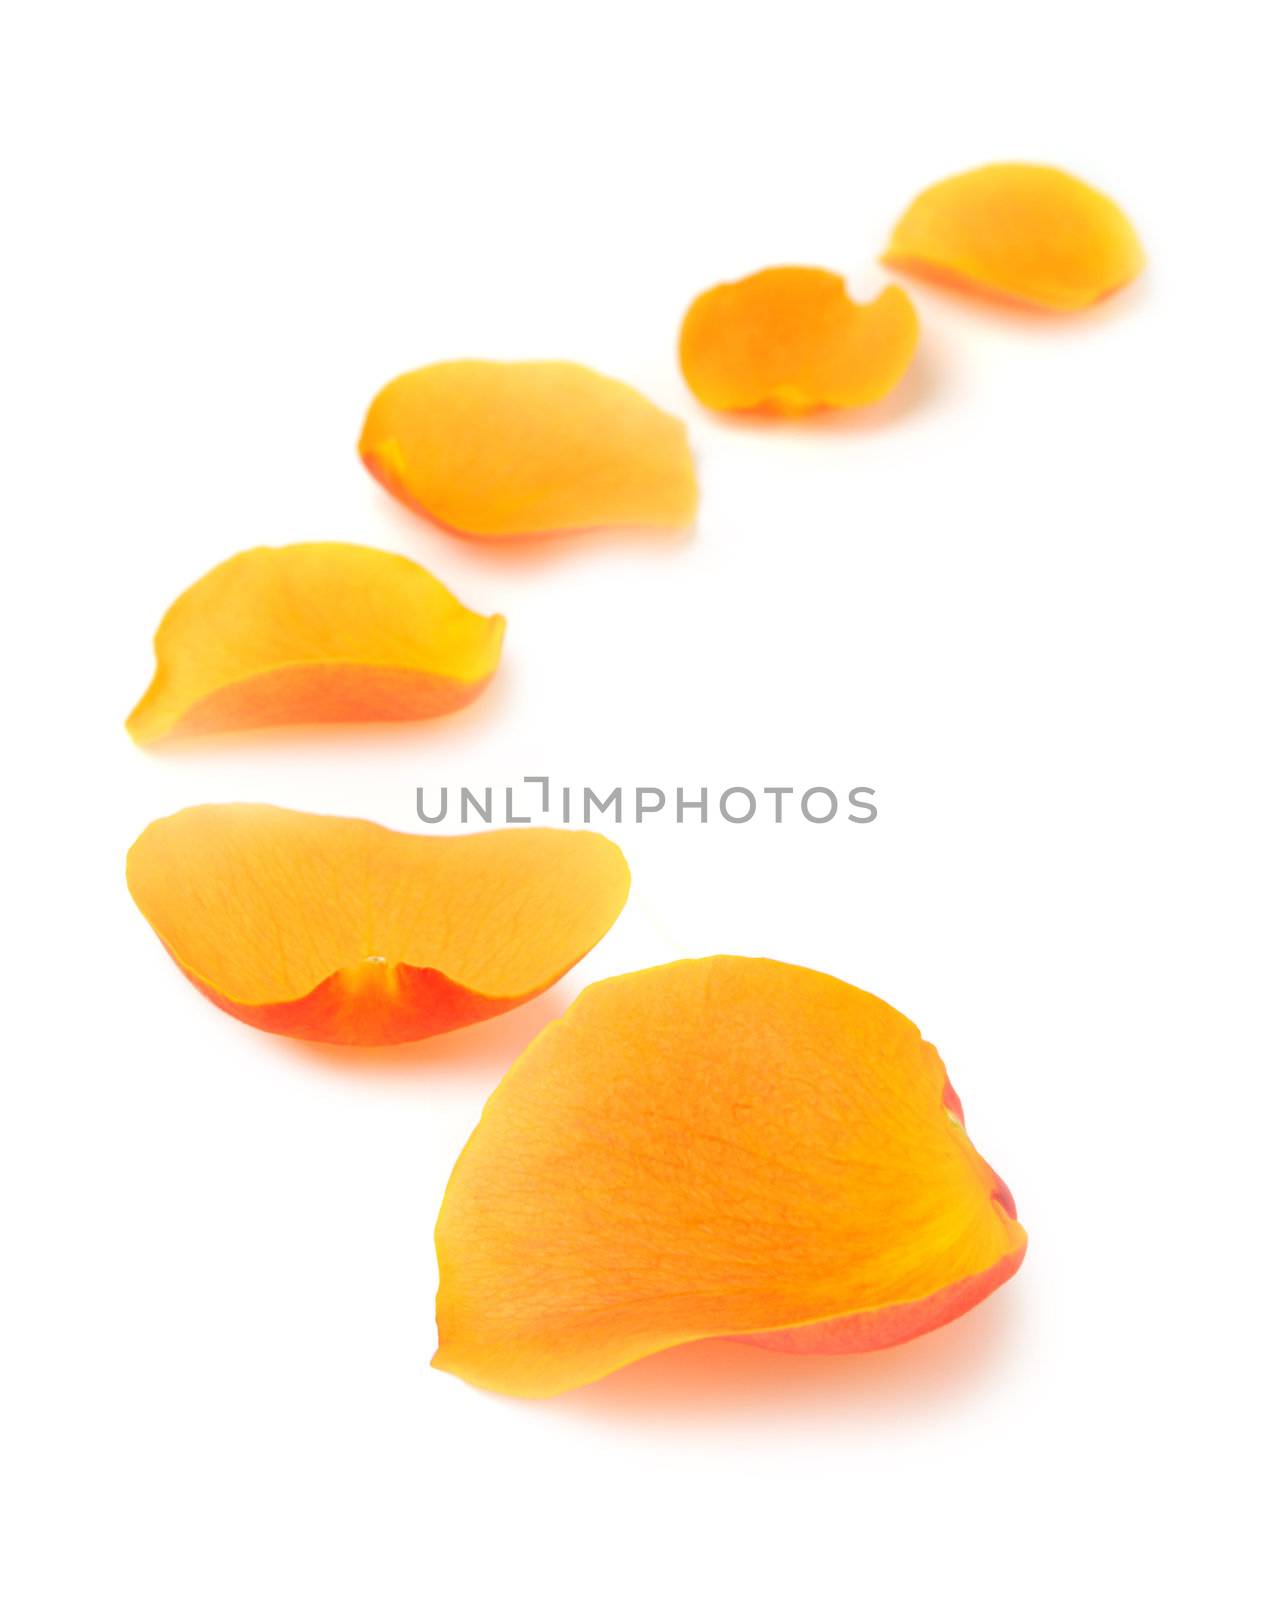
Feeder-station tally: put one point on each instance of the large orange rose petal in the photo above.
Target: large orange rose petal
(716, 1148)
(789, 340)
(331, 929)
(1026, 232)
(496, 448)
(314, 633)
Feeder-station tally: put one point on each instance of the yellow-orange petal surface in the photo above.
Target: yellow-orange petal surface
(498, 448)
(334, 929)
(789, 340)
(723, 1147)
(1030, 233)
(313, 633)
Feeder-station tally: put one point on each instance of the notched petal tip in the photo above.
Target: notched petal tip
(789, 340)
(313, 633)
(720, 1148)
(1022, 232)
(336, 930)
(499, 449)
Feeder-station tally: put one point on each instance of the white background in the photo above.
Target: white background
(1033, 599)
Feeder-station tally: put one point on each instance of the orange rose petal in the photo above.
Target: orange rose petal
(789, 340)
(889, 1325)
(313, 633)
(338, 930)
(496, 448)
(717, 1148)
(1027, 232)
